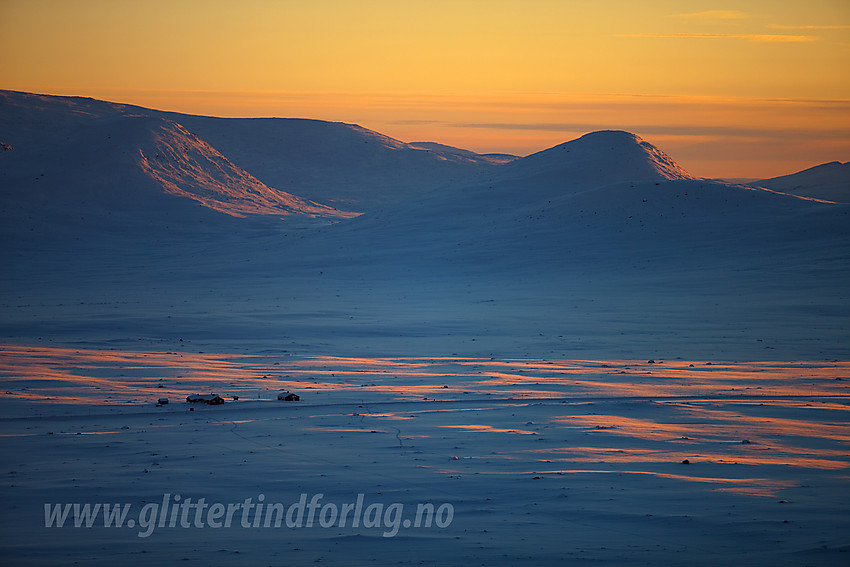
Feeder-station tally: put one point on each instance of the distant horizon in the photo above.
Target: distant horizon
(755, 92)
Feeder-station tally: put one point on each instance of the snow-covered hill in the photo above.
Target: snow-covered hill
(595, 159)
(83, 159)
(607, 197)
(828, 181)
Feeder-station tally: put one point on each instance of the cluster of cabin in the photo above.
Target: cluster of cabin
(209, 399)
(215, 399)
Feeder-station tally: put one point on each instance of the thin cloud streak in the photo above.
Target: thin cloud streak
(787, 27)
(712, 15)
(672, 130)
(761, 38)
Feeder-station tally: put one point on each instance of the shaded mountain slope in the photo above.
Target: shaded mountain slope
(187, 166)
(504, 226)
(495, 159)
(344, 165)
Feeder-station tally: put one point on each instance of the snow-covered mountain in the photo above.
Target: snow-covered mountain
(601, 246)
(282, 167)
(828, 181)
(78, 159)
(603, 192)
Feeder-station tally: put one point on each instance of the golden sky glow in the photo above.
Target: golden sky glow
(753, 89)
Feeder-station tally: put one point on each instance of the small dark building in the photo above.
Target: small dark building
(209, 399)
(288, 397)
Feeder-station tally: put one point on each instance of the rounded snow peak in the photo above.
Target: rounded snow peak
(602, 158)
(610, 136)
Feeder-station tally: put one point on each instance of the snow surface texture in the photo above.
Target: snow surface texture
(489, 318)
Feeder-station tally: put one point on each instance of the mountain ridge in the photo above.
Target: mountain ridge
(335, 170)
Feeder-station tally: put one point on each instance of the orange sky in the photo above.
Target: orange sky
(753, 89)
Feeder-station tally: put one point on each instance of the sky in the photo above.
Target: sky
(728, 89)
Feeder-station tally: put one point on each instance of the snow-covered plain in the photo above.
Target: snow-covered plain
(480, 336)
